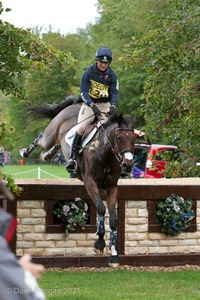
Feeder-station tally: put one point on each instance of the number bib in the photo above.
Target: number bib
(98, 90)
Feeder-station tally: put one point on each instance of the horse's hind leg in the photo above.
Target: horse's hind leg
(25, 152)
(50, 154)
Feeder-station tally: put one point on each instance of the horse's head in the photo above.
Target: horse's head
(123, 142)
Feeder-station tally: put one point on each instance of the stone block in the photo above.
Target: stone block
(23, 212)
(54, 237)
(188, 242)
(45, 244)
(168, 242)
(38, 213)
(30, 204)
(39, 228)
(31, 221)
(148, 243)
(136, 250)
(137, 204)
(75, 251)
(24, 244)
(77, 236)
(179, 249)
(35, 251)
(131, 228)
(25, 228)
(65, 244)
(33, 237)
(142, 212)
(136, 237)
(154, 250)
(54, 251)
(131, 213)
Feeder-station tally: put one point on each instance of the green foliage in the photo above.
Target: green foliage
(11, 184)
(181, 170)
(72, 213)
(4, 130)
(169, 53)
(156, 53)
(174, 214)
(20, 51)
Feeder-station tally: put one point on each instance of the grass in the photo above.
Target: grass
(31, 171)
(121, 284)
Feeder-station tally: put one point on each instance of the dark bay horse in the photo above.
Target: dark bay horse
(100, 162)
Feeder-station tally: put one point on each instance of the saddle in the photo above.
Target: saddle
(89, 133)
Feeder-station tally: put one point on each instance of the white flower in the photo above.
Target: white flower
(85, 207)
(176, 207)
(66, 209)
(77, 199)
(75, 207)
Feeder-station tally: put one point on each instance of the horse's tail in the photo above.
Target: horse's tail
(50, 110)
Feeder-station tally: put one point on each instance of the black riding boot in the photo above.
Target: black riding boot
(71, 165)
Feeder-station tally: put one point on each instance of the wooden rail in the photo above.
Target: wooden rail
(150, 190)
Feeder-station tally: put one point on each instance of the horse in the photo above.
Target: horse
(100, 162)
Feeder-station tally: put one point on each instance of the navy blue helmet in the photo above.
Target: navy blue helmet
(104, 54)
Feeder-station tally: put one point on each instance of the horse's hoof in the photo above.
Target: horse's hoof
(42, 156)
(99, 246)
(22, 152)
(97, 251)
(114, 261)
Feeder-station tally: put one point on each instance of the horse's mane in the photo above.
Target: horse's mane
(115, 119)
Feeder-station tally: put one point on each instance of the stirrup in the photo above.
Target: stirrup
(71, 166)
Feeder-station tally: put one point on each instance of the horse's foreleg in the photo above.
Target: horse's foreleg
(94, 194)
(50, 154)
(99, 244)
(25, 152)
(113, 245)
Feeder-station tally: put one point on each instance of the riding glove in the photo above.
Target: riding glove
(95, 109)
(112, 109)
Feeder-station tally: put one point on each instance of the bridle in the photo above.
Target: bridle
(119, 153)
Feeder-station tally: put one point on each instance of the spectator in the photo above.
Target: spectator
(18, 278)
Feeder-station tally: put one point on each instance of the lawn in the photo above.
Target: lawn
(35, 171)
(121, 284)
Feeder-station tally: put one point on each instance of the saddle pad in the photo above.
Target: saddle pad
(70, 136)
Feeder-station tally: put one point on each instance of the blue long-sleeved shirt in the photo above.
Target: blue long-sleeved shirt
(96, 87)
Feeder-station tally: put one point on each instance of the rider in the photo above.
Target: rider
(99, 93)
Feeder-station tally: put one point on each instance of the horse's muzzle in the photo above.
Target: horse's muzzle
(127, 163)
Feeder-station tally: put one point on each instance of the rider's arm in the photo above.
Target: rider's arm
(114, 90)
(85, 87)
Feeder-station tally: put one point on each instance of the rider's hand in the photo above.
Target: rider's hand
(112, 109)
(95, 109)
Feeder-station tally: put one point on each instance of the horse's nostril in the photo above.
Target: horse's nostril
(126, 169)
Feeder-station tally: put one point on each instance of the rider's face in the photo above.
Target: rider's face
(102, 66)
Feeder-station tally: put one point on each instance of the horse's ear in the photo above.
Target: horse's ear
(120, 119)
(134, 121)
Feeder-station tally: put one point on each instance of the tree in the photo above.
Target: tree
(169, 53)
(119, 21)
(21, 50)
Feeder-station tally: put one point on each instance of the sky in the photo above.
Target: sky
(65, 16)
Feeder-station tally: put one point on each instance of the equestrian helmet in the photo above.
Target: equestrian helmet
(104, 54)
